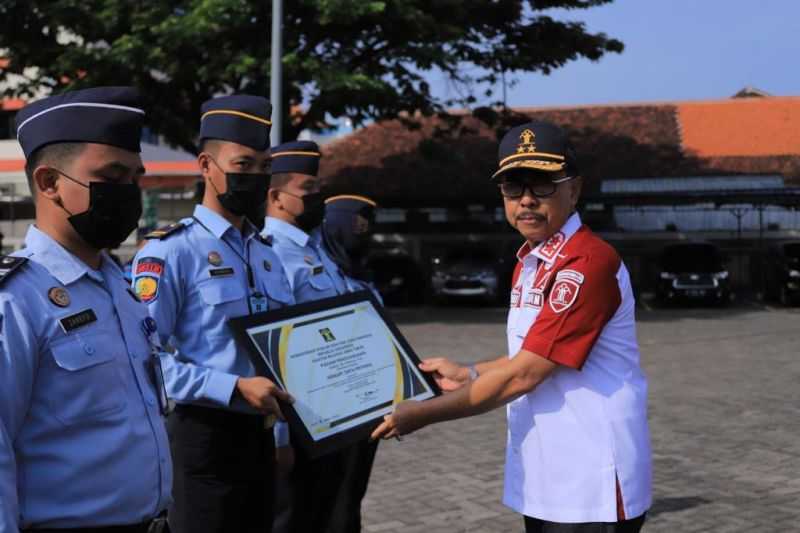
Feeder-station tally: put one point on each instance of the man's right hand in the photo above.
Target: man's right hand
(448, 375)
(261, 393)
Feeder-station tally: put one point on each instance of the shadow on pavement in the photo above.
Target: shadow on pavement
(672, 505)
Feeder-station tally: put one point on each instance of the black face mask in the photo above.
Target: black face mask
(114, 212)
(313, 211)
(346, 242)
(245, 195)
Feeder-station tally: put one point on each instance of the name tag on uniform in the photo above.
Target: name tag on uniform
(221, 272)
(78, 320)
(258, 303)
(317, 270)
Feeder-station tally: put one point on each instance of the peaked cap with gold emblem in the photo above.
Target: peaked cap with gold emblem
(538, 146)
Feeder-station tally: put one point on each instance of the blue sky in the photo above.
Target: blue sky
(674, 50)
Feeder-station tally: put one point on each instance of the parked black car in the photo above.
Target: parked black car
(397, 276)
(470, 272)
(693, 271)
(782, 273)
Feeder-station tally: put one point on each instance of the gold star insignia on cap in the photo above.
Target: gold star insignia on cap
(526, 142)
(59, 296)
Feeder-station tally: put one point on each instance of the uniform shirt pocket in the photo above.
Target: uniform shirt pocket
(221, 291)
(278, 290)
(320, 281)
(86, 378)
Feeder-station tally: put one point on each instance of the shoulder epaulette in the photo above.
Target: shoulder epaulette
(10, 264)
(166, 231)
(265, 239)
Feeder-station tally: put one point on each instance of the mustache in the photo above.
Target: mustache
(530, 215)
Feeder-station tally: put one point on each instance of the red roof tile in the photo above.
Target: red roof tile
(741, 127)
(398, 165)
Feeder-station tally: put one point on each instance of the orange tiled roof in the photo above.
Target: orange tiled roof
(639, 140)
(12, 165)
(11, 104)
(741, 127)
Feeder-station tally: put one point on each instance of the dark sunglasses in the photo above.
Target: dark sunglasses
(538, 188)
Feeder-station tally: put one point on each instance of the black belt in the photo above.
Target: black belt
(225, 418)
(157, 525)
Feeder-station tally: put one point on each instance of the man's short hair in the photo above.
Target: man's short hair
(210, 145)
(57, 154)
(281, 179)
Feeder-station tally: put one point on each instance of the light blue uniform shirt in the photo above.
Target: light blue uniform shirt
(312, 274)
(82, 439)
(194, 281)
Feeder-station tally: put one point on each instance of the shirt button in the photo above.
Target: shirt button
(151, 401)
(89, 349)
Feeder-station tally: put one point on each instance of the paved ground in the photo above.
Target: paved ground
(724, 415)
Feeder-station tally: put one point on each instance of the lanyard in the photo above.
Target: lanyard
(251, 281)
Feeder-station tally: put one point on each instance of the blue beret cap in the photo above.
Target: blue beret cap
(238, 118)
(104, 115)
(296, 156)
(540, 146)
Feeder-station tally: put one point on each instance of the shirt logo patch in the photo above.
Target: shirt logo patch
(152, 266)
(146, 288)
(147, 275)
(59, 296)
(549, 249)
(565, 290)
(516, 294)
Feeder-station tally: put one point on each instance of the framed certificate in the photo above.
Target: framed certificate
(342, 359)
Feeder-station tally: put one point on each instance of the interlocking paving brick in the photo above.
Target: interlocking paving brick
(724, 417)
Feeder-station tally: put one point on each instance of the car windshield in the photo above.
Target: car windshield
(702, 258)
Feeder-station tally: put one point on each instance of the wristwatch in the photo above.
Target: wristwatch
(473, 372)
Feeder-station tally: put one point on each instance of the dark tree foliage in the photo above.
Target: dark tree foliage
(365, 60)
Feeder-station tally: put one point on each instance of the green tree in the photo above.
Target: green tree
(366, 60)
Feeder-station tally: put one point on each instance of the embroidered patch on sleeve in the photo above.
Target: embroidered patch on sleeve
(565, 290)
(147, 276)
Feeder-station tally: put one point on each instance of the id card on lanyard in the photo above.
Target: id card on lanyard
(258, 303)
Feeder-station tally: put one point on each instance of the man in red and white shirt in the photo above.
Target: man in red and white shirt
(578, 453)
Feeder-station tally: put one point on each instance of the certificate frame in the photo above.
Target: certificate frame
(242, 328)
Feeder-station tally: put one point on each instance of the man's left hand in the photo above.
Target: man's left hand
(404, 420)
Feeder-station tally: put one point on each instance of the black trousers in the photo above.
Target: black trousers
(309, 493)
(534, 525)
(324, 495)
(224, 467)
(358, 460)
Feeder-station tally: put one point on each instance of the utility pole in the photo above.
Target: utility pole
(276, 72)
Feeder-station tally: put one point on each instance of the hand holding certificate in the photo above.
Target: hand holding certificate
(343, 361)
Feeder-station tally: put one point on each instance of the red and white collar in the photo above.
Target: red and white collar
(549, 249)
